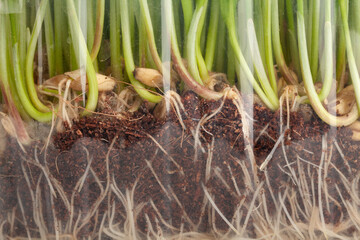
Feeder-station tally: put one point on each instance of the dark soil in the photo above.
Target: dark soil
(133, 150)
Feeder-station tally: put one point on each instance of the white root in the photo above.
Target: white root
(207, 194)
(128, 101)
(247, 132)
(157, 178)
(269, 157)
(23, 214)
(167, 154)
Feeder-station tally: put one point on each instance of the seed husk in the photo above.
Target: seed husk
(105, 83)
(148, 76)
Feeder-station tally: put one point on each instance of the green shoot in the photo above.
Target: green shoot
(129, 61)
(150, 34)
(30, 58)
(179, 65)
(49, 38)
(278, 51)
(83, 56)
(308, 80)
(191, 45)
(350, 55)
(268, 45)
(115, 41)
(266, 94)
(211, 36)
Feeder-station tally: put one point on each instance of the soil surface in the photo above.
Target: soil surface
(166, 168)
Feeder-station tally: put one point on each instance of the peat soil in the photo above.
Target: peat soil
(165, 167)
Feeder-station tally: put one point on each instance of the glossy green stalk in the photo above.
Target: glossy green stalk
(266, 94)
(178, 22)
(142, 42)
(5, 86)
(199, 32)
(22, 34)
(59, 22)
(354, 72)
(278, 52)
(115, 41)
(14, 25)
(178, 61)
(187, 7)
(132, 24)
(129, 61)
(150, 34)
(83, 56)
(212, 34)
(91, 33)
(340, 51)
(221, 48)
(259, 26)
(49, 38)
(355, 29)
(231, 64)
(314, 50)
(308, 23)
(328, 54)
(30, 58)
(268, 45)
(191, 44)
(308, 81)
(282, 23)
(292, 34)
(244, 12)
(99, 27)
(20, 84)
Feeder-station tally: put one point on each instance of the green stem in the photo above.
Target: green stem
(23, 34)
(115, 41)
(58, 31)
(269, 97)
(178, 61)
(259, 27)
(292, 37)
(278, 52)
(150, 34)
(15, 26)
(328, 52)
(187, 7)
(83, 56)
(341, 52)
(308, 81)
(19, 79)
(268, 45)
(91, 32)
(231, 64)
(30, 58)
(142, 42)
(314, 52)
(199, 57)
(191, 45)
(350, 55)
(49, 38)
(221, 49)
(211, 36)
(355, 30)
(5, 86)
(129, 61)
(100, 15)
